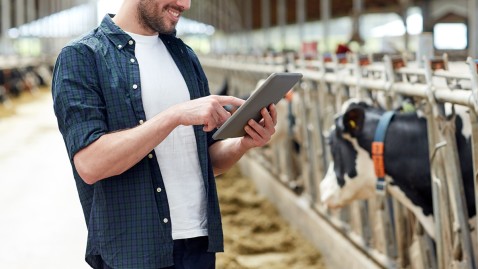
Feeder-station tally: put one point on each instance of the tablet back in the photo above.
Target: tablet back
(270, 92)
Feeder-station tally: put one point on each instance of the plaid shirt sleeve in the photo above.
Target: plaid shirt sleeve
(77, 100)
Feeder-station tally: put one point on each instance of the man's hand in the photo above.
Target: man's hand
(259, 133)
(207, 111)
(226, 153)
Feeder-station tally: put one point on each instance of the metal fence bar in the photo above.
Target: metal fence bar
(352, 80)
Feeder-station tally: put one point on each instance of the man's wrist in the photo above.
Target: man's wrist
(243, 145)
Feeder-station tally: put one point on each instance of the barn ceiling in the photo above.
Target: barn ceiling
(239, 15)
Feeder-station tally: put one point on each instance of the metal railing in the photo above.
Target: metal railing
(383, 228)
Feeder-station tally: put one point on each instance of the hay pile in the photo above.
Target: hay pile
(255, 235)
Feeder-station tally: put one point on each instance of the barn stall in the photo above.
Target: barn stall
(380, 232)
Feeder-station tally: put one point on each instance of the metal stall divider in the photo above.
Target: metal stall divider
(401, 234)
(472, 65)
(443, 232)
(444, 131)
(326, 81)
(362, 207)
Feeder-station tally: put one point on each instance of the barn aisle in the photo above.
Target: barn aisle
(41, 221)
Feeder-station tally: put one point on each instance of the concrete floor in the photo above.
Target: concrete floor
(41, 221)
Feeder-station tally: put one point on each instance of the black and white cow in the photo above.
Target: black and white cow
(351, 175)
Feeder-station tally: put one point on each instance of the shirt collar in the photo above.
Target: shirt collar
(114, 33)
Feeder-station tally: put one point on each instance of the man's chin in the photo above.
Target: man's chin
(168, 31)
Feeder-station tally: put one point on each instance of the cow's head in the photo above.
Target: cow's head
(350, 175)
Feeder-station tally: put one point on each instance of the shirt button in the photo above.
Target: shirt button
(158, 189)
(119, 46)
(131, 42)
(132, 60)
(165, 220)
(150, 156)
(141, 121)
(135, 86)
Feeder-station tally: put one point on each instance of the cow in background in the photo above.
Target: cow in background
(351, 175)
(288, 140)
(15, 81)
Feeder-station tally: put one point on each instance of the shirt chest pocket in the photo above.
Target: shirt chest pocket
(122, 98)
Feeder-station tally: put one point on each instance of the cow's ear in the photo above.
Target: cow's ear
(353, 120)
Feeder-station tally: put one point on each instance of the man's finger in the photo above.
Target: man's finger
(273, 112)
(229, 100)
(223, 116)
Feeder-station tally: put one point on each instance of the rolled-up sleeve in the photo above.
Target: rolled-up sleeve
(77, 100)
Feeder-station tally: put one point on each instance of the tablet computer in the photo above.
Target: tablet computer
(270, 92)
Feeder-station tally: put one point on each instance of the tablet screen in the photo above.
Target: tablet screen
(270, 92)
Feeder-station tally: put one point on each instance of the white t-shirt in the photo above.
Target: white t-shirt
(162, 86)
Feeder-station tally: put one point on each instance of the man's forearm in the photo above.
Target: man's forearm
(224, 154)
(116, 152)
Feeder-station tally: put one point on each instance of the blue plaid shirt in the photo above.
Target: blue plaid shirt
(97, 90)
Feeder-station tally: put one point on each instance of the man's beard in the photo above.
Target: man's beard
(150, 17)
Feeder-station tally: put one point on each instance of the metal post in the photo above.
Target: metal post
(405, 4)
(301, 17)
(474, 126)
(474, 143)
(426, 12)
(325, 14)
(220, 15)
(444, 206)
(248, 23)
(19, 13)
(324, 118)
(5, 11)
(31, 10)
(266, 22)
(473, 28)
(282, 21)
(6, 24)
(453, 178)
(42, 8)
(212, 5)
(357, 12)
(42, 12)
(309, 174)
(56, 30)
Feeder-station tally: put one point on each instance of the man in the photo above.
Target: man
(133, 106)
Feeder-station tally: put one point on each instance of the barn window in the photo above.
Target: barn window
(450, 36)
